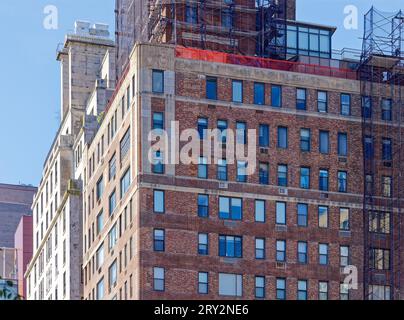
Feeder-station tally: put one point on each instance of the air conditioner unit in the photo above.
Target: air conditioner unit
(324, 195)
(223, 185)
(342, 159)
(281, 265)
(283, 191)
(264, 150)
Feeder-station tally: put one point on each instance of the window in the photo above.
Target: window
(344, 291)
(241, 133)
(259, 93)
(366, 107)
(260, 287)
(230, 208)
(387, 186)
(368, 183)
(211, 88)
(379, 259)
(230, 246)
(281, 289)
(241, 171)
(259, 248)
(343, 256)
(323, 180)
(222, 127)
(282, 175)
(323, 290)
(191, 14)
(158, 81)
(100, 289)
(301, 103)
(158, 121)
(203, 168)
(264, 135)
(282, 137)
(345, 104)
(302, 252)
(369, 152)
(377, 292)
(125, 183)
(203, 206)
(387, 152)
(112, 168)
(202, 127)
(159, 240)
(305, 140)
(322, 101)
(100, 257)
(158, 166)
(302, 214)
(125, 145)
(100, 222)
(113, 275)
(323, 217)
(281, 213)
(112, 237)
(342, 144)
(237, 91)
(158, 200)
(222, 170)
(276, 96)
(203, 283)
(263, 173)
(342, 181)
(305, 178)
(281, 250)
(100, 188)
(302, 290)
(230, 285)
(379, 222)
(323, 254)
(158, 279)
(259, 210)
(324, 145)
(344, 219)
(203, 244)
(227, 18)
(112, 202)
(387, 109)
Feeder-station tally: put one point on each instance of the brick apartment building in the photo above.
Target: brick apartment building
(153, 230)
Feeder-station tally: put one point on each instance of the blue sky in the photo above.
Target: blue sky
(30, 79)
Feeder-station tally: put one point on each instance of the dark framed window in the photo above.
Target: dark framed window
(342, 144)
(369, 150)
(323, 253)
(282, 175)
(158, 120)
(387, 109)
(259, 287)
(203, 283)
(158, 166)
(264, 135)
(237, 91)
(344, 291)
(344, 218)
(323, 290)
(125, 182)
(191, 14)
(302, 290)
(259, 210)
(280, 213)
(260, 248)
(211, 88)
(159, 240)
(323, 217)
(276, 96)
(281, 289)
(158, 201)
(323, 180)
(305, 139)
(379, 259)
(343, 256)
(227, 18)
(112, 167)
(222, 127)
(230, 208)
(282, 137)
(100, 188)
(203, 205)
(241, 132)
(324, 143)
(322, 101)
(387, 149)
(366, 107)
(202, 168)
(305, 178)
(301, 99)
(264, 173)
(112, 202)
(203, 244)
(222, 170)
(259, 93)
(342, 181)
(202, 127)
(230, 246)
(302, 252)
(302, 214)
(345, 104)
(241, 171)
(158, 81)
(387, 185)
(281, 250)
(158, 279)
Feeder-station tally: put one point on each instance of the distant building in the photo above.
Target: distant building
(15, 201)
